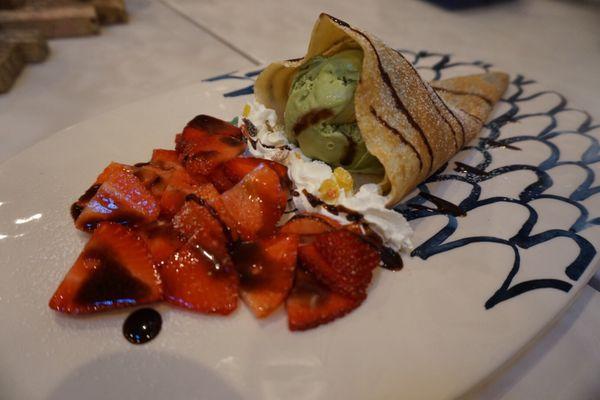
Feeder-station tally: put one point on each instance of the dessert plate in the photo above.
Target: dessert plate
(475, 291)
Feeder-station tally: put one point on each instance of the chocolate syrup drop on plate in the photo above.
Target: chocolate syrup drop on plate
(142, 325)
(493, 143)
(390, 259)
(461, 167)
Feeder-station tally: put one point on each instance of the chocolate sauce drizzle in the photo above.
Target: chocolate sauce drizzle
(250, 131)
(390, 259)
(311, 118)
(387, 80)
(462, 128)
(494, 143)
(443, 242)
(461, 167)
(475, 117)
(461, 93)
(142, 325)
(230, 243)
(399, 135)
(314, 201)
(79, 205)
(350, 152)
(442, 206)
(109, 283)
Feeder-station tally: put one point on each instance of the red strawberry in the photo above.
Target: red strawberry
(225, 176)
(83, 200)
(165, 159)
(202, 156)
(256, 203)
(121, 198)
(114, 270)
(236, 168)
(220, 180)
(200, 222)
(162, 241)
(180, 185)
(342, 261)
(310, 303)
(207, 142)
(108, 171)
(153, 178)
(193, 281)
(266, 269)
(309, 224)
(203, 125)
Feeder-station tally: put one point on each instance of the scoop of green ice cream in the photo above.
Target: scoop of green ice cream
(319, 115)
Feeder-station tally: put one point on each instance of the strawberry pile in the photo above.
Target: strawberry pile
(198, 227)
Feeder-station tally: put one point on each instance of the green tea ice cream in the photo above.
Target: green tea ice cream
(319, 115)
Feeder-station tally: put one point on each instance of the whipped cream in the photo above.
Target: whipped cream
(270, 142)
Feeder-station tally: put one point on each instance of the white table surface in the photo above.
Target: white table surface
(170, 43)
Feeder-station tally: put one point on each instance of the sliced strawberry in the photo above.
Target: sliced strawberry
(165, 159)
(256, 203)
(225, 176)
(114, 270)
(121, 198)
(153, 178)
(310, 303)
(207, 142)
(342, 261)
(309, 224)
(201, 157)
(220, 180)
(78, 206)
(192, 280)
(199, 221)
(203, 125)
(236, 168)
(163, 241)
(180, 185)
(266, 269)
(108, 171)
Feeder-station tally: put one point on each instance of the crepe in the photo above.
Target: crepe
(412, 127)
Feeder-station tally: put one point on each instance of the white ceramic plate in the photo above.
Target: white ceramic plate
(477, 291)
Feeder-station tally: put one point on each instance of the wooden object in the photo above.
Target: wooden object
(11, 64)
(25, 24)
(59, 21)
(110, 11)
(33, 45)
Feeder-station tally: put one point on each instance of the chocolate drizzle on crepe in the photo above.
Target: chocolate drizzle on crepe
(461, 93)
(430, 126)
(388, 82)
(462, 128)
(399, 134)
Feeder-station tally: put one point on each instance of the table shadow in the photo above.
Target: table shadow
(143, 374)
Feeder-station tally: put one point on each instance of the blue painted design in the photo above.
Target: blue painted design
(248, 76)
(442, 242)
(248, 90)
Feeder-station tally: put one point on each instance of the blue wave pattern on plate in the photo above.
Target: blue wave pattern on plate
(439, 242)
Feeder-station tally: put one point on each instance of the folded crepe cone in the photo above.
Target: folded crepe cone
(411, 126)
